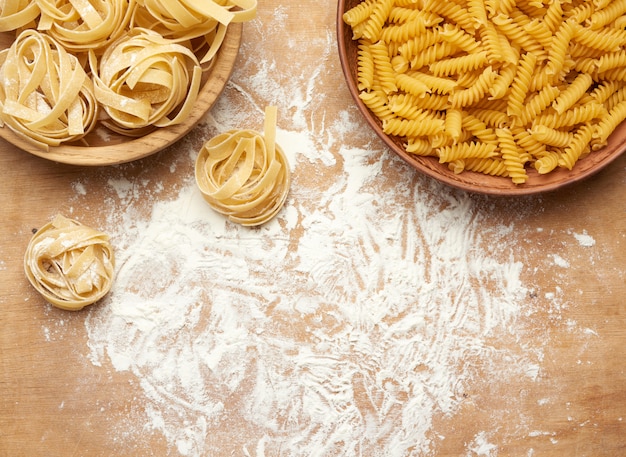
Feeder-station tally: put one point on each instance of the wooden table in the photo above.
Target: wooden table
(567, 332)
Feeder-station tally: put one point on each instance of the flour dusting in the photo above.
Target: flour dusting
(342, 327)
(584, 239)
(347, 318)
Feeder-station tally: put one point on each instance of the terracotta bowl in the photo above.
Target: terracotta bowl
(109, 148)
(467, 180)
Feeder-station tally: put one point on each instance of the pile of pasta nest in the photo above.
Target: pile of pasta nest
(494, 86)
(242, 174)
(130, 65)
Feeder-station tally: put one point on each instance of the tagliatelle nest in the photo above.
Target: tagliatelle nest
(69, 264)
(143, 80)
(244, 174)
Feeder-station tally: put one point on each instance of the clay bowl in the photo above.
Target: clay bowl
(109, 148)
(467, 180)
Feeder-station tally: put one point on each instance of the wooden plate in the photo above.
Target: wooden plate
(470, 181)
(109, 148)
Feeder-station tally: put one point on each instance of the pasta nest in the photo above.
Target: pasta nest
(81, 25)
(69, 264)
(45, 94)
(178, 35)
(15, 14)
(244, 174)
(144, 80)
(195, 20)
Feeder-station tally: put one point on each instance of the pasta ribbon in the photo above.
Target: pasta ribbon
(80, 25)
(45, 95)
(145, 60)
(144, 80)
(244, 174)
(15, 14)
(69, 264)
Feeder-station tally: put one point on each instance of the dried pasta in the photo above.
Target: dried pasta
(69, 264)
(537, 84)
(82, 25)
(145, 80)
(244, 174)
(46, 96)
(15, 14)
(173, 42)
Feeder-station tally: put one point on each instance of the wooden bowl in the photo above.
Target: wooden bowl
(468, 180)
(109, 148)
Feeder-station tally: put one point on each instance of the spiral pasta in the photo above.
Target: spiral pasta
(46, 96)
(244, 174)
(541, 81)
(69, 264)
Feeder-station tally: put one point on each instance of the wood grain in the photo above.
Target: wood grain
(55, 402)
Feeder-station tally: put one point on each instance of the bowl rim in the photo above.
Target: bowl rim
(430, 166)
(214, 82)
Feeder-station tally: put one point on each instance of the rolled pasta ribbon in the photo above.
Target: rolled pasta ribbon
(244, 174)
(81, 25)
(45, 94)
(69, 264)
(182, 20)
(190, 13)
(144, 80)
(15, 14)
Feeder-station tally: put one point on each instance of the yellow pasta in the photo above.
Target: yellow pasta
(547, 163)
(413, 127)
(512, 156)
(376, 21)
(80, 25)
(366, 67)
(578, 147)
(572, 93)
(377, 102)
(604, 16)
(382, 66)
(75, 46)
(143, 81)
(453, 124)
(46, 96)
(541, 83)
(551, 136)
(466, 150)
(244, 174)
(488, 166)
(186, 20)
(15, 14)
(69, 264)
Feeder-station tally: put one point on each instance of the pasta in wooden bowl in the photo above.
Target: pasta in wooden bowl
(502, 98)
(210, 30)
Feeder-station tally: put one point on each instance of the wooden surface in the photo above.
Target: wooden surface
(571, 324)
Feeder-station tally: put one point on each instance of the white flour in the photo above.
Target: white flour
(346, 319)
(342, 327)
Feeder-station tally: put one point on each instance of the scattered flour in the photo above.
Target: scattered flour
(345, 319)
(343, 326)
(584, 239)
(482, 447)
(560, 261)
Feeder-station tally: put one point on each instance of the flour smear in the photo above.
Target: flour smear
(342, 327)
